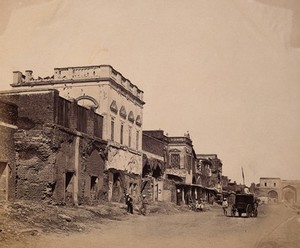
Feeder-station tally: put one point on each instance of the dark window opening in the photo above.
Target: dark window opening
(69, 187)
(121, 134)
(98, 124)
(129, 138)
(137, 139)
(3, 180)
(63, 112)
(94, 183)
(157, 172)
(146, 170)
(69, 177)
(112, 127)
(175, 161)
(174, 178)
(81, 119)
(116, 178)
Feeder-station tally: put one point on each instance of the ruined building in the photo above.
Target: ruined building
(210, 165)
(59, 151)
(109, 94)
(155, 145)
(209, 176)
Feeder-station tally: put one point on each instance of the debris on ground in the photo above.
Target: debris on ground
(21, 219)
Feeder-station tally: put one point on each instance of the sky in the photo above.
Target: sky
(225, 71)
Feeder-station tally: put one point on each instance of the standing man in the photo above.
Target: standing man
(144, 207)
(126, 202)
(225, 206)
(129, 203)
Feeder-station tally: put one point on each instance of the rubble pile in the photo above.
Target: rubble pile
(21, 219)
(24, 218)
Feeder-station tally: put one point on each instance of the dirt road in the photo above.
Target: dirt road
(276, 226)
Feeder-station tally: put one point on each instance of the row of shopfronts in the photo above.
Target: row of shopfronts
(175, 173)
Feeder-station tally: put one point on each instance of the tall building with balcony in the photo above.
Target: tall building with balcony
(181, 159)
(119, 101)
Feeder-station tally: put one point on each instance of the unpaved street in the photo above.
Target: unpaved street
(276, 226)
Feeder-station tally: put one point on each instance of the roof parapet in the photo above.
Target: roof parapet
(78, 74)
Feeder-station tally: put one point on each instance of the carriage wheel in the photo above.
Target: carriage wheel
(232, 212)
(248, 211)
(255, 213)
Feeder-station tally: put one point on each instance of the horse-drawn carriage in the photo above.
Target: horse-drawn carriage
(244, 203)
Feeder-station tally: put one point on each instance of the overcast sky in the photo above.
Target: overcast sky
(226, 71)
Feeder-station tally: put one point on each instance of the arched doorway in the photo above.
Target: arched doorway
(117, 190)
(289, 194)
(273, 196)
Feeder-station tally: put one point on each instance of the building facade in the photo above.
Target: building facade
(211, 170)
(155, 145)
(276, 190)
(59, 150)
(120, 102)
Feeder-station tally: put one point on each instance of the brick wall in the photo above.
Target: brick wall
(153, 145)
(33, 109)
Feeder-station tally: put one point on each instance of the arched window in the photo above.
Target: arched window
(131, 117)
(123, 112)
(87, 101)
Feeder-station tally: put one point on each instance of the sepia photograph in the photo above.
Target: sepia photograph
(150, 124)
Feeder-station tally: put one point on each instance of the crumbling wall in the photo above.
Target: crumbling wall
(147, 187)
(46, 166)
(64, 152)
(54, 162)
(94, 185)
(126, 183)
(169, 191)
(35, 161)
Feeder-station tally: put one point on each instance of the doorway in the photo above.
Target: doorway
(69, 187)
(3, 181)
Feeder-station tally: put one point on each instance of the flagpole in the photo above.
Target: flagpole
(243, 176)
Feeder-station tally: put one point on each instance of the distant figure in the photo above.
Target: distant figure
(144, 207)
(199, 205)
(129, 203)
(246, 191)
(225, 206)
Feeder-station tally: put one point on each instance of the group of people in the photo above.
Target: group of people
(200, 205)
(129, 203)
(197, 205)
